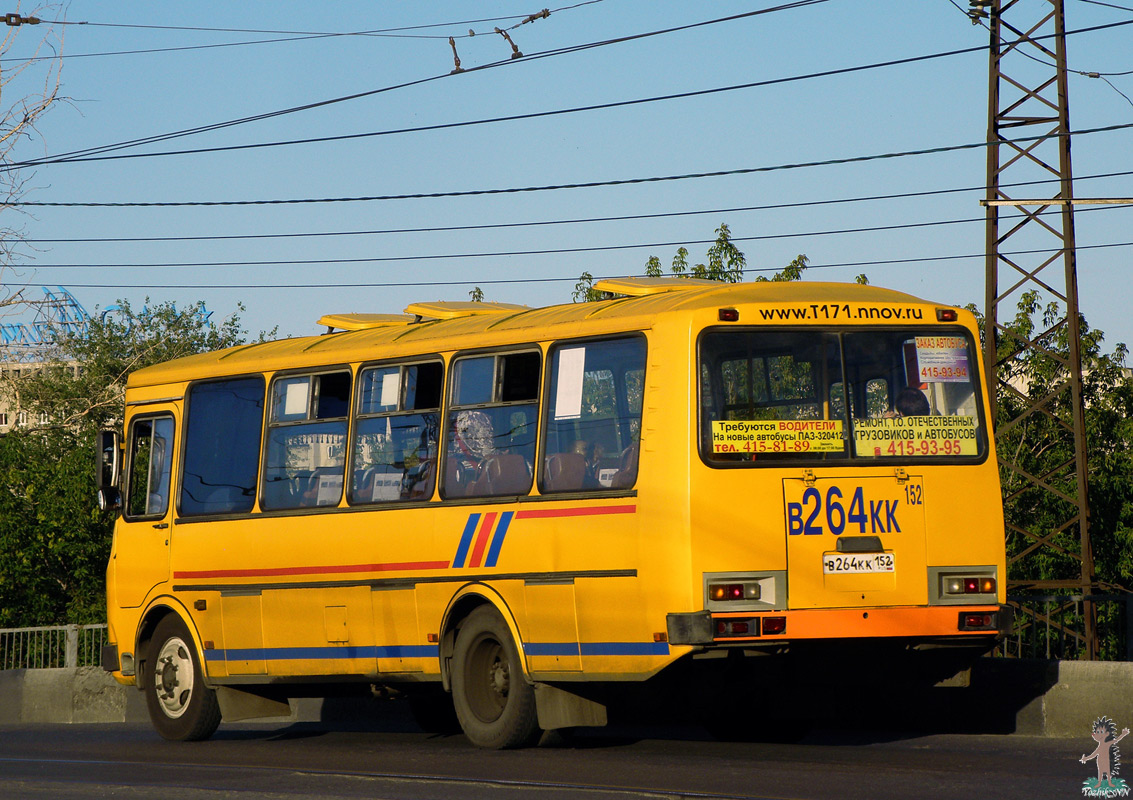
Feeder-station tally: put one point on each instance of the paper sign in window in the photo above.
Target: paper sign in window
(778, 436)
(942, 359)
(295, 398)
(568, 395)
(924, 437)
(330, 490)
(391, 385)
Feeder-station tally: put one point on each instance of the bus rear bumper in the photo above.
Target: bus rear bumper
(921, 622)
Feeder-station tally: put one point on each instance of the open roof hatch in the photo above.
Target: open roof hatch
(442, 309)
(642, 287)
(362, 322)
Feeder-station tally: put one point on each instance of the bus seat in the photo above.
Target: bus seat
(422, 479)
(502, 474)
(381, 483)
(454, 485)
(324, 488)
(627, 470)
(565, 472)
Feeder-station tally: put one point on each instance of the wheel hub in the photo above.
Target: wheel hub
(173, 678)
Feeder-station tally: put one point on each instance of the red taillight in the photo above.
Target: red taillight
(946, 315)
(975, 621)
(971, 585)
(737, 627)
(729, 315)
(729, 592)
(774, 626)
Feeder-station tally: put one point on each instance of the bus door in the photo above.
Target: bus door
(144, 530)
(855, 540)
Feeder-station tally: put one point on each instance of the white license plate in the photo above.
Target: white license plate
(855, 563)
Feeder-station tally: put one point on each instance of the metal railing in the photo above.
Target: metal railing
(51, 646)
(1053, 626)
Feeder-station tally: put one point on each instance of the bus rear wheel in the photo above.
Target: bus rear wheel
(180, 706)
(494, 703)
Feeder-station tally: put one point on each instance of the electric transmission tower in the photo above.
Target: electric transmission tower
(1029, 141)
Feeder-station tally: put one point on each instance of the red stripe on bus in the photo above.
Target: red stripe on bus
(482, 539)
(338, 568)
(586, 511)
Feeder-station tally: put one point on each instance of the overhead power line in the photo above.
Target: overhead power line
(554, 222)
(550, 251)
(290, 36)
(553, 187)
(573, 279)
(372, 92)
(69, 159)
(97, 153)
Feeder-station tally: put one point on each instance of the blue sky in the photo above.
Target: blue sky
(935, 103)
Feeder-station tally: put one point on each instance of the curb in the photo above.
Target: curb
(1007, 696)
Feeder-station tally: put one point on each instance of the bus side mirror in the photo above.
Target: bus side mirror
(108, 470)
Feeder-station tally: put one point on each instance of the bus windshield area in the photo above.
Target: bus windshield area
(769, 396)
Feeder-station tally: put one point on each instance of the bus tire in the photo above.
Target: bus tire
(494, 703)
(180, 706)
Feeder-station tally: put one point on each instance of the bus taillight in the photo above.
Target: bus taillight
(774, 626)
(737, 627)
(722, 592)
(969, 584)
(977, 622)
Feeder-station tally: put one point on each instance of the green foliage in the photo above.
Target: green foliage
(115, 344)
(1040, 443)
(476, 295)
(726, 263)
(54, 542)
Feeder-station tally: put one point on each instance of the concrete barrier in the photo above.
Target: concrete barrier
(83, 694)
(1028, 697)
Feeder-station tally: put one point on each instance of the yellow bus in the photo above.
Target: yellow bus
(525, 508)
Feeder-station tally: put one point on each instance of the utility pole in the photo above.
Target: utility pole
(1027, 98)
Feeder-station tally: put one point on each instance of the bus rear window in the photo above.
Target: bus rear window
(772, 396)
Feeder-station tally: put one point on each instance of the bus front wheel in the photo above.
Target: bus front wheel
(495, 705)
(180, 706)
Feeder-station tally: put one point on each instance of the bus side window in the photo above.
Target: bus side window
(396, 433)
(593, 415)
(147, 484)
(223, 429)
(305, 456)
(490, 439)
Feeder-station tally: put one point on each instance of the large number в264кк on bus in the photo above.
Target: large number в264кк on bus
(526, 508)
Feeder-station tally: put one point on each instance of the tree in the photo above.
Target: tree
(1041, 444)
(54, 542)
(726, 263)
(18, 126)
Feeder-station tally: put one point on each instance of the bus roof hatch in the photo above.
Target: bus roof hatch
(361, 322)
(642, 287)
(455, 309)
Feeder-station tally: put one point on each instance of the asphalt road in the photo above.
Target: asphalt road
(391, 758)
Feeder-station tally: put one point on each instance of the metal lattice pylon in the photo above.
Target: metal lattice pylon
(58, 313)
(1029, 142)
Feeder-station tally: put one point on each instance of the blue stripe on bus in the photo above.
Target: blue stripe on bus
(322, 653)
(596, 648)
(498, 540)
(465, 541)
(431, 651)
